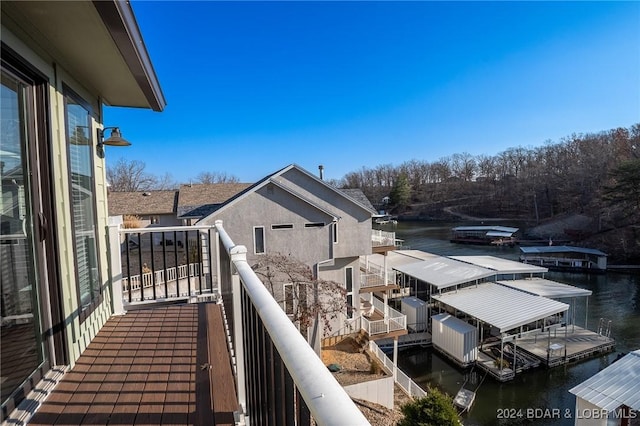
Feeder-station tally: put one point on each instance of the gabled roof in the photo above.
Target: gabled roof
(358, 195)
(616, 385)
(317, 179)
(142, 202)
(560, 249)
(272, 179)
(198, 200)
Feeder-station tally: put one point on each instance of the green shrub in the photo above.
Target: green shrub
(435, 409)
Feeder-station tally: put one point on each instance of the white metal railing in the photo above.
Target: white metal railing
(372, 270)
(405, 382)
(160, 277)
(371, 280)
(392, 319)
(382, 238)
(327, 401)
(383, 326)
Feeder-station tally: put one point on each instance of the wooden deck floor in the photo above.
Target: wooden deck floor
(149, 367)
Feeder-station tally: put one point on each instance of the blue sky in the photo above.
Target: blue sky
(253, 87)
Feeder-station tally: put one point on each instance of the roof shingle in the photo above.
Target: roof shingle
(142, 202)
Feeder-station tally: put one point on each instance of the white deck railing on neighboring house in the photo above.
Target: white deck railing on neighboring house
(383, 238)
(409, 386)
(373, 275)
(160, 277)
(392, 321)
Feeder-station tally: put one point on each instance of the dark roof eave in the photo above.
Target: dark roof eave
(119, 19)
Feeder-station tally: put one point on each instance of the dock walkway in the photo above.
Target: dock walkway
(579, 343)
(407, 340)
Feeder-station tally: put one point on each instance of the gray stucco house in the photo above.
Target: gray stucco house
(293, 212)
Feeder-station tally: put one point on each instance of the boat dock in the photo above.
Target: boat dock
(555, 349)
(406, 341)
(548, 349)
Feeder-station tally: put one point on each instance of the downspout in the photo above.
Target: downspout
(314, 336)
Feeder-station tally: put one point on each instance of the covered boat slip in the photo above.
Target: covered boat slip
(439, 273)
(503, 308)
(503, 267)
(519, 330)
(553, 290)
(565, 258)
(483, 234)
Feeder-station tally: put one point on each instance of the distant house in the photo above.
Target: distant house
(612, 396)
(172, 208)
(293, 212)
(157, 208)
(196, 201)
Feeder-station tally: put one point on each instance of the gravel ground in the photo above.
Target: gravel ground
(356, 368)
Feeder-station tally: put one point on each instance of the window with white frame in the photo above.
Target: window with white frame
(258, 240)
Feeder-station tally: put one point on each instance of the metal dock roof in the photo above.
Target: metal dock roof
(501, 266)
(443, 272)
(399, 257)
(616, 385)
(546, 288)
(487, 228)
(500, 306)
(560, 249)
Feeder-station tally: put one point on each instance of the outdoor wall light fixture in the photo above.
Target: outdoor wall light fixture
(114, 140)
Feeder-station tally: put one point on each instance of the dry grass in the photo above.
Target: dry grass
(357, 367)
(130, 221)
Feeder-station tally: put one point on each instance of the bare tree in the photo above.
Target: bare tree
(216, 177)
(305, 298)
(130, 175)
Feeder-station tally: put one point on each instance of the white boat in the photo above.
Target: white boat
(385, 220)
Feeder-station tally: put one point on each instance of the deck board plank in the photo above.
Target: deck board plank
(141, 369)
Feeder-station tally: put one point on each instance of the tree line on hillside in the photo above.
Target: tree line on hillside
(579, 173)
(595, 174)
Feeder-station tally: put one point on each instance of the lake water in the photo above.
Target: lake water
(615, 296)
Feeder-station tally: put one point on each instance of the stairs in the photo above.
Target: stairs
(361, 340)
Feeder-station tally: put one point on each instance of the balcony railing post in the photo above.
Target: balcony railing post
(238, 253)
(217, 254)
(116, 265)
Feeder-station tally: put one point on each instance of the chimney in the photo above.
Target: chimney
(321, 168)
